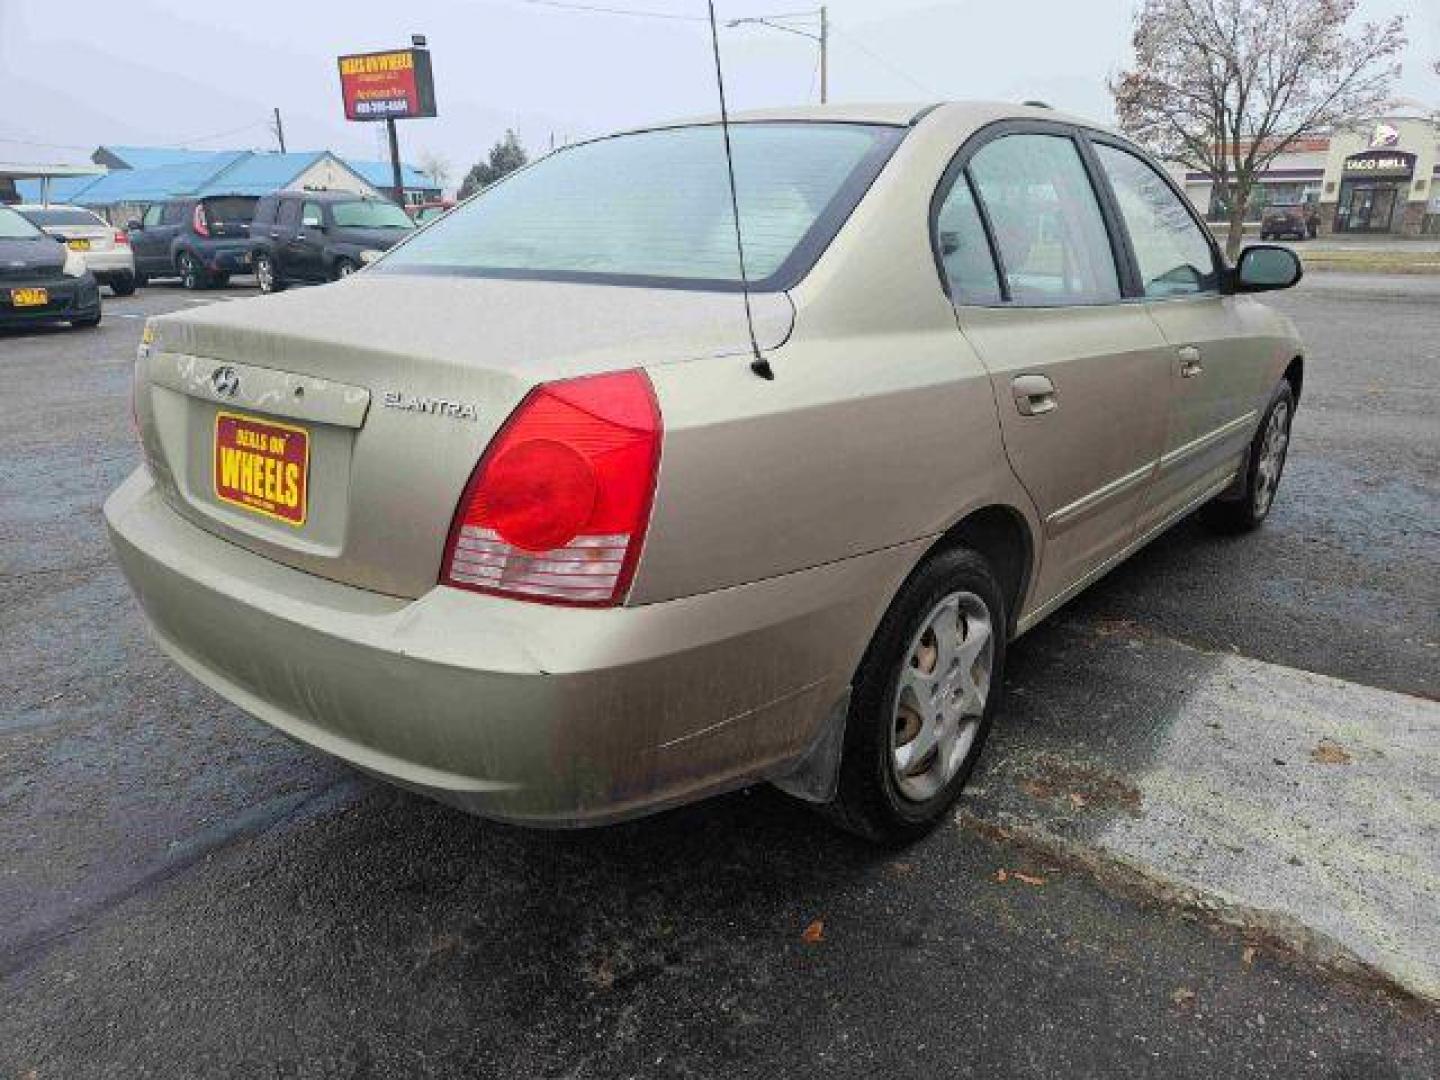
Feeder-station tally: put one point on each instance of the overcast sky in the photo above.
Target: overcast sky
(205, 74)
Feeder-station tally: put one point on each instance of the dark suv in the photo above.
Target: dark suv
(320, 235)
(202, 241)
(1298, 219)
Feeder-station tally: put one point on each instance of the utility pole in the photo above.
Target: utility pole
(280, 127)
(824, 55)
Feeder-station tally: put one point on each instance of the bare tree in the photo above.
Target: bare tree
(1226, 86)
(436, 167)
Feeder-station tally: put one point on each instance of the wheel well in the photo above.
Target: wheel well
(1001, 535)
(1295, 375)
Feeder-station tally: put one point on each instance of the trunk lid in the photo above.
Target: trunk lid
(384, 391)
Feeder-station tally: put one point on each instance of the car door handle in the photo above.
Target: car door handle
(1034, 395)
(1190, 364)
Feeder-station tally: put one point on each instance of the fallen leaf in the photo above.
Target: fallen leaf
(1002, 875)
(1029, 879)
(1330, 753)
(1183, 997)
(1077, 800)
(814, 933)
(1248, 956)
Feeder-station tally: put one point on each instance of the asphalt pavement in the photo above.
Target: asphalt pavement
(184, 893)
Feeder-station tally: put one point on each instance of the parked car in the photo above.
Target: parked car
(424, 213)
(105, 248)
(201, 241)
(316, 236)
(42, 280)
(529, 517)
(1298, 220)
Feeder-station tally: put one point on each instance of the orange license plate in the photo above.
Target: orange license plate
(29, 297)
(262, 466)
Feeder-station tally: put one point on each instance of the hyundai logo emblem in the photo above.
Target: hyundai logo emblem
(225, 381)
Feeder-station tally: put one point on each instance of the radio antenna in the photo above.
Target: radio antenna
(759, 364)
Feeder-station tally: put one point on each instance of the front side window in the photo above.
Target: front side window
(654, 208)
(964, 250)
(1173, 255)
(1053, 243)
(369, 214)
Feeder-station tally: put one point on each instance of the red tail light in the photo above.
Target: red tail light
(122, 238)
(202, 227)
(557, 508)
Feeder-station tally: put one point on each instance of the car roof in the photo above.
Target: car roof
(327, 196)
(895, 114)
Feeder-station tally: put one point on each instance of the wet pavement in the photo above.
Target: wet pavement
(185, 893)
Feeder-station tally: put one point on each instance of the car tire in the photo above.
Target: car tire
(219, 281)
(344, 268)
(1247, 509)
(885, 794)
(266, 276)
(192, 274)
(123, 285)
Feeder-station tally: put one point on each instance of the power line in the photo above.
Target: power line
(595, 9)
(893, 69)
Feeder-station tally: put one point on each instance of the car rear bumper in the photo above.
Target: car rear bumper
(106, 265)
(69, 298)
(525, 712)
(228, 259)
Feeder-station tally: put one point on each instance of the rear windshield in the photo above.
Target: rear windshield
(654, 208)
(15, 227)
(239, 208)
(51, 217)
(369, 214)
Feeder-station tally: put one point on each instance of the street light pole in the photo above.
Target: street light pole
(822, 38)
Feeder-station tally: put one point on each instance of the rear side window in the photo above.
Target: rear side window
(1053, 244)
(288, 216)
(51, 217)
(153, 214)
(174, 213)
(1174, 257)
(264, 212)
(964, 250)
(230, 208)
(654, 208)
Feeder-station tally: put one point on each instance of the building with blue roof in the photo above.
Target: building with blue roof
(139, 176)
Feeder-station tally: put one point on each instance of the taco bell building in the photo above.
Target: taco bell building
(1380, 177)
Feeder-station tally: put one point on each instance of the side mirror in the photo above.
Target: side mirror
(134, 225)
(1264, 267)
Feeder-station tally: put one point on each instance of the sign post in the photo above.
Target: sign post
(393, 85)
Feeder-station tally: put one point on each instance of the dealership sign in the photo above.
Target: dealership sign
(1381, 161)
(394, 85)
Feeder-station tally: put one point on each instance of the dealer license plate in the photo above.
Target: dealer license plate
(262, 466)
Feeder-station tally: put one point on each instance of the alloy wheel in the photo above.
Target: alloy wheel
(1272, 457)
(944, 681)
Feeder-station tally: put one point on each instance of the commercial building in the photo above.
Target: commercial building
(130, 178)
(1379, 177)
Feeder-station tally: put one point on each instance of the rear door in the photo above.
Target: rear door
(1080, 377)
(283, 235)
(1217, 380)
